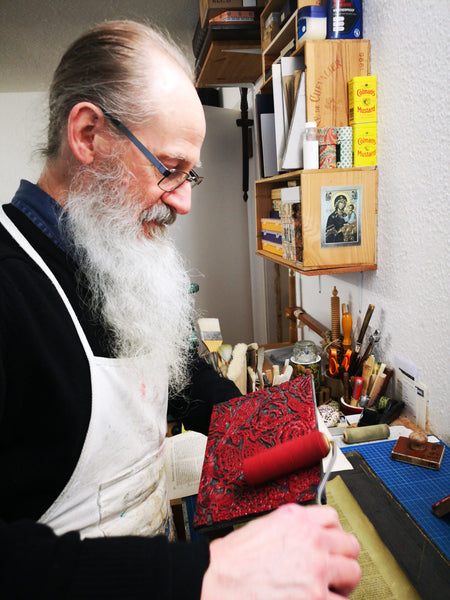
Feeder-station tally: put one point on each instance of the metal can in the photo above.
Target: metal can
(344, 19)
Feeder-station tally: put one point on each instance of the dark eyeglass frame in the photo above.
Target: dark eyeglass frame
(193, 177)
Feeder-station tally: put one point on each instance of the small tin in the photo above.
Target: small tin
(344, 19)
(312, 368)
(311, 23)
(327, 147)
(344, 147)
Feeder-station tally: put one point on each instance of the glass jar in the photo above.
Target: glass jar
(304, 352)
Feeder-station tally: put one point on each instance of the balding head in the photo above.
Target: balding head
(112, 66)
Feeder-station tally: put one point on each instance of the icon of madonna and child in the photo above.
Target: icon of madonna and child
(341, 216)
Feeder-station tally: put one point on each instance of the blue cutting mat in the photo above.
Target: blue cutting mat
(416, 488)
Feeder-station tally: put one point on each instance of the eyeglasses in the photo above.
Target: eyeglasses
(172, 178)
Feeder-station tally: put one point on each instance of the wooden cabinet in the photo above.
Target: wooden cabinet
(319, 187)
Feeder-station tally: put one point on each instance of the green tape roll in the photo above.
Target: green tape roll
(355, 435)
(382, 402)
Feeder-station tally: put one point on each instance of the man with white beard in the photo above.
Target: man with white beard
(95, 325)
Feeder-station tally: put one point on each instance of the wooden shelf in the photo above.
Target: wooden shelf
(230, 62)
(314, 270)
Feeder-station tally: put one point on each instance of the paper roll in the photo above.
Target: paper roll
(355, 435)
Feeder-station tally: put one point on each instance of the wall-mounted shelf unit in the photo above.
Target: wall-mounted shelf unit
(319, 257)
(328, 66)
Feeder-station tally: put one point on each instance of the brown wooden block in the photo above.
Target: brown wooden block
(430, 457)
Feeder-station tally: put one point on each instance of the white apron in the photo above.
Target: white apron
(118, 486)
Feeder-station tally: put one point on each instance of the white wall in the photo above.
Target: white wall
(410, 289)
(22, 131)
(214, 236)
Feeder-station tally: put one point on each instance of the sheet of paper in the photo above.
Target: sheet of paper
(381, 575)
(183, 461)
(341, 463)
(415, 396)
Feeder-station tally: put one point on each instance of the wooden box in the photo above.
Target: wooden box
(320, 255)
(330, 64)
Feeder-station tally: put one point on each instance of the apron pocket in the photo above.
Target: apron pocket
(135, 503)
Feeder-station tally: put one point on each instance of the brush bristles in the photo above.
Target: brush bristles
(212, 345)
(210, 333)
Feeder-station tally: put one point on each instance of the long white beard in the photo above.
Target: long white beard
(139, 285)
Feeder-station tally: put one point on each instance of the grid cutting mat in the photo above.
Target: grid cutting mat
(416, 488)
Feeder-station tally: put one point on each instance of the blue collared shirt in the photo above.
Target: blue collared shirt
(41, 209)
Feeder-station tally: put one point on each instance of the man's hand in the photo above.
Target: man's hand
(294, 553)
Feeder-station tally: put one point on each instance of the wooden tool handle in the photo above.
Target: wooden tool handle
(365, 324)
(346, 328)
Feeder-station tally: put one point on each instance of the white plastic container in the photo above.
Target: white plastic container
(310, 146)
(312, 23)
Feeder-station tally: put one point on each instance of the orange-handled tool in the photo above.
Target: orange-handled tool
(346, 328)
(333, 365)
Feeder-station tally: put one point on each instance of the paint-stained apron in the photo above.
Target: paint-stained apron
(118, 486)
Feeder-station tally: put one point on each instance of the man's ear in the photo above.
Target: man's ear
(84, 125)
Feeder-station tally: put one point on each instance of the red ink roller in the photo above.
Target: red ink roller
(285, 458)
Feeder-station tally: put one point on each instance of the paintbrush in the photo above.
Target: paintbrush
(210, 333)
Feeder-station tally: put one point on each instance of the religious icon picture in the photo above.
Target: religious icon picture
(340, 216)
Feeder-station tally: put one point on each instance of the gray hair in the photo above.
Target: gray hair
(109, 66)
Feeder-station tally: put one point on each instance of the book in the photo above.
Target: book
(266, 134)
(291, 67)
(293, 153)
(269, 156)
(241, 428)
(279, 111)
(183, 460)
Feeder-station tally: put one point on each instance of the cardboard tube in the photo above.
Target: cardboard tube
(355, 435)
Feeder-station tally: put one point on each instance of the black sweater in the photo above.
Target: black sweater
(45, 404)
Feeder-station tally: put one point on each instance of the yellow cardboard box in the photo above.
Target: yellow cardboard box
(362, 100)
(273, 248)
(271, 224)
(364, 145)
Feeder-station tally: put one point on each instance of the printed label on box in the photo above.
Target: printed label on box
(364, 145)
(362, 99)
